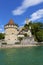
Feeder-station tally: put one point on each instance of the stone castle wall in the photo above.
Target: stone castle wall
(11, 35)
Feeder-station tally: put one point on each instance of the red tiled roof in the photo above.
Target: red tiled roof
(11, 22)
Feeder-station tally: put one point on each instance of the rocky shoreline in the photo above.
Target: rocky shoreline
(25, 44)
(17, 46)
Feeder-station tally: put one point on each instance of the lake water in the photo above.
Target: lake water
(22, 56)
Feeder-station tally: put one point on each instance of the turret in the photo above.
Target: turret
(10, 24)
(11, 32)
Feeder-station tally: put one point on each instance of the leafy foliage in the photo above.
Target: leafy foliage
(37, 31)
(20, 38)
(2, 35)
(40, 35)
(25, 35)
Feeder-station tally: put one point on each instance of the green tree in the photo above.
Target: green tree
(37, 30)
(20, 38)
(40, 36)
(2, 35)
(25, 35)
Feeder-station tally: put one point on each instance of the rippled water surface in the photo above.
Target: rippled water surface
(22, 56)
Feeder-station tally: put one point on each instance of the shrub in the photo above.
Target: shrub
(25, 35)
(2, 35)
(20, 38)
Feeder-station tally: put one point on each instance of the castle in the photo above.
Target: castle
(12, 33)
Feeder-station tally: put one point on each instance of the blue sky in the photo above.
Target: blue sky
(18, 10)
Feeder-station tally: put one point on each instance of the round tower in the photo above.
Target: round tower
(11, 32)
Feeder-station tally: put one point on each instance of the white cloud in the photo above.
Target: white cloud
(37, 15)
(25, 4)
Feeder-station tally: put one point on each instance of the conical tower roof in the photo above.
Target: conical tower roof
(11, 22)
